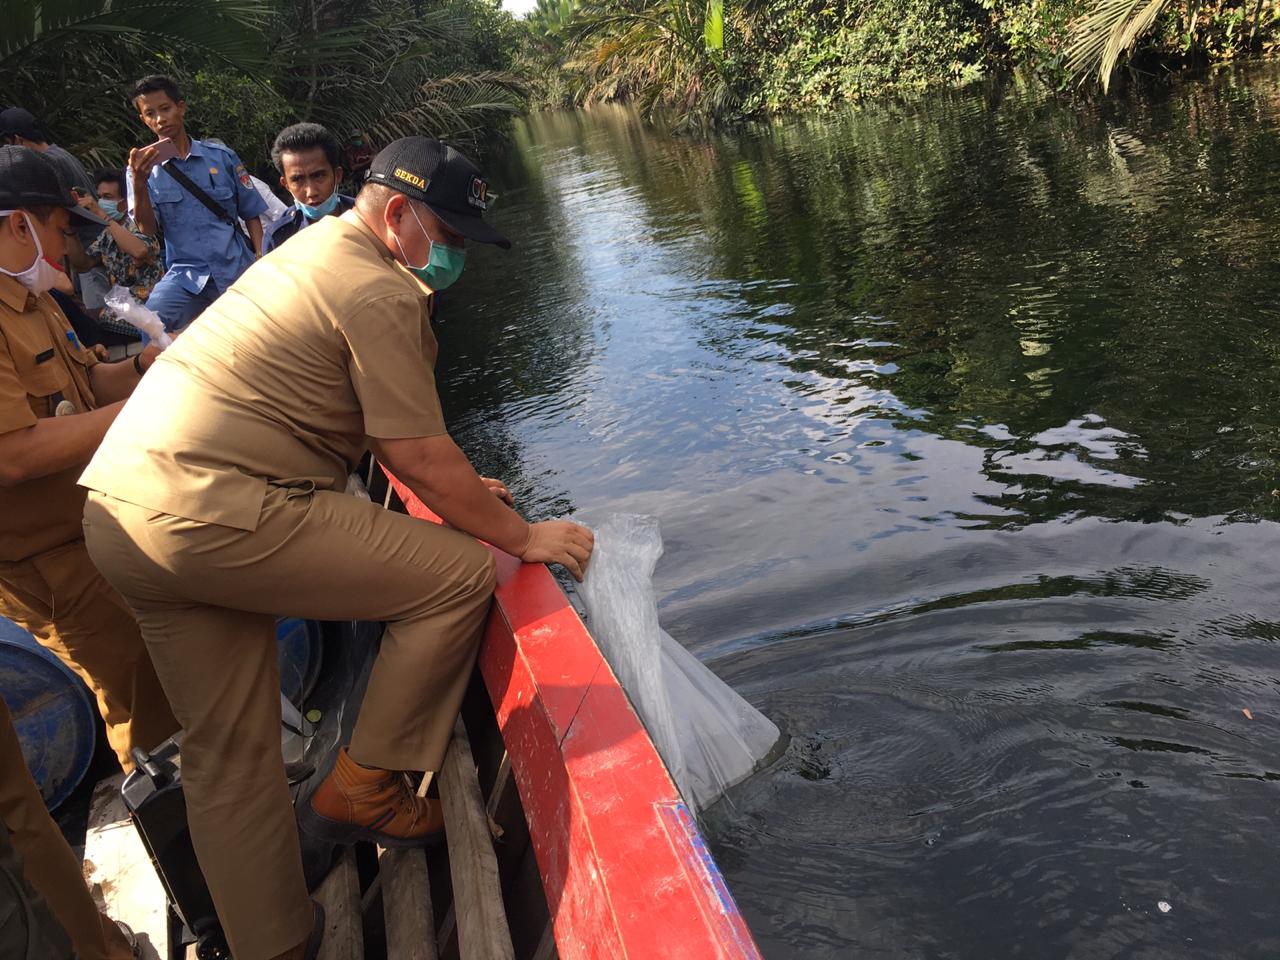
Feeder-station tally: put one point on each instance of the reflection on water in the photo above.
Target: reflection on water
(962, 420)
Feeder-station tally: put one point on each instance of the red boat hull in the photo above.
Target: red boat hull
(626, 872)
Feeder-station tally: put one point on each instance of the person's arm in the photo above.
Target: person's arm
(249, 203)
(126, 241)
(141, 161)
(442, 477)
(115, 381)
(254, 226)
(52, 445)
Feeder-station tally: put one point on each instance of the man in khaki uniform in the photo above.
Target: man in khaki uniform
(56, 402)
(217, 502)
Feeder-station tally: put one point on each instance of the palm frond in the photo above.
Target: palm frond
(713, 31)
(230, 30)
(1110, 30)
(461, 107)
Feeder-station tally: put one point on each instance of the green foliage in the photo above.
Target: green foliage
(1110, 30)
(831, 53)
(548, 21)
(1035, 35)
(713, 27)
(378, 68)
(386, 68)
(668, 57)
(229, 30)
(238, 110)
(706, 60)
(70, 63)
(1168, 31)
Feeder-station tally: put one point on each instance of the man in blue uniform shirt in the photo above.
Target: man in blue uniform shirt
(203, 245)
(308, 157)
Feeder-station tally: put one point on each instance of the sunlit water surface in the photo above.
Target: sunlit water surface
(962, 421)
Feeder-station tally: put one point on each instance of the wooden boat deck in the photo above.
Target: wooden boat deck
(393, 904)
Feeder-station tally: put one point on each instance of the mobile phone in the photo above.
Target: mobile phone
(165, 150)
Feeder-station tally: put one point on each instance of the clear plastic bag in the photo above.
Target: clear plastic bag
(709, 737)
(126, 306)
(356, 487)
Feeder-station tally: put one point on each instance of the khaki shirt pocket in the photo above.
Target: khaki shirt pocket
(81, 360)
(46, 383)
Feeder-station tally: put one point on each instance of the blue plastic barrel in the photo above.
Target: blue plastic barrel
(298, 643)
(56, 717)
(52, 710)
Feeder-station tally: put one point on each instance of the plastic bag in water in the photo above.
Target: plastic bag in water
(125, 305)
(709, 737)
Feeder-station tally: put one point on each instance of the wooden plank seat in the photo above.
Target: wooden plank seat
(378, 904)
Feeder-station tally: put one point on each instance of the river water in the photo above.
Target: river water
(962, 420)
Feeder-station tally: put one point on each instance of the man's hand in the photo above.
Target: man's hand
(560, 541)
(116, 381)
(499, 490)
(88, 203)
(141, 160)
(101, 353)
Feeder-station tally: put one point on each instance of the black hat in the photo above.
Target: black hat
(443, 179)
(15, 120)
(29, 180)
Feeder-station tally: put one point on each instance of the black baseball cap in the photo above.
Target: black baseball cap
(442, 178)
(29, 180)
(16, 120)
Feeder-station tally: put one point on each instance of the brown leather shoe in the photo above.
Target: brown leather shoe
(355, 803)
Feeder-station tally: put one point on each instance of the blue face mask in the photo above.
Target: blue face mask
(320, 210)
(444, 264)
(112, 209)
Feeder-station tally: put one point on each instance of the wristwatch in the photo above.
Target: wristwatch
(137, 364)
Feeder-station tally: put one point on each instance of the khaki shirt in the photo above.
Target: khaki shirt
(41, 364)
(317, 347)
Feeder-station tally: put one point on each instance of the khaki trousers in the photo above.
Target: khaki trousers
(206, 597)
(48, 865)
(62, 600)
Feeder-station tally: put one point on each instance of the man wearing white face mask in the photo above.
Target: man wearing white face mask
(56, 402)
(217, 501)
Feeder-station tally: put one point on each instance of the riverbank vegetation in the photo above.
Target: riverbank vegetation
(373, 68)
(703, 60)
(377, 69)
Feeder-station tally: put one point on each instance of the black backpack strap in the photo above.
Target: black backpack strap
(217, 209)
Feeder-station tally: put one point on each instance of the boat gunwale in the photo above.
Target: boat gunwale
(624, 866)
